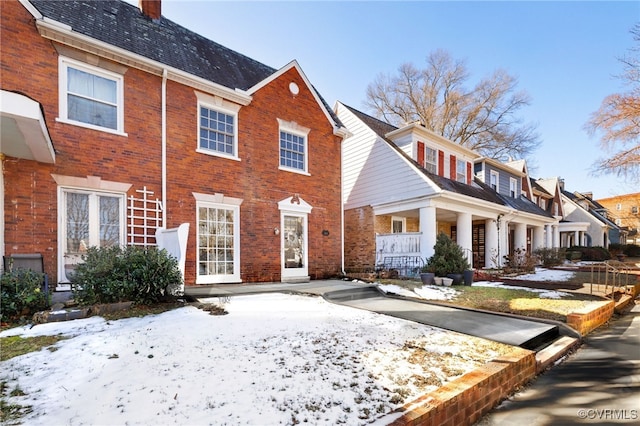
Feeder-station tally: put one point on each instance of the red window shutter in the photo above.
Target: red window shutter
(452, 167)
(440, 163)
(421, 153)
(468, 173)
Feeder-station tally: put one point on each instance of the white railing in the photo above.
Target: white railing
(403, 244)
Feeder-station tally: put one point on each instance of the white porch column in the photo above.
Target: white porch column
(464, 234)
(428, 231)
(576, 238)
(520, 236)
(490, 243)
(548, 235)
(538, 238)
(556, 236)
(503, 237)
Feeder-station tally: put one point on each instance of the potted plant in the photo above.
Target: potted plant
(427, 275)
(448, 259)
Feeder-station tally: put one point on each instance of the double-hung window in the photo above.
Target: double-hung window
(217, 133)
(431, 160)
(513, 187)
(90, 96)
(461, 171)
(494, 180)
(294, 147)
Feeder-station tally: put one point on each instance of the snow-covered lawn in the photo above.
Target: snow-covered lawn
(274, 359)
(433, 292)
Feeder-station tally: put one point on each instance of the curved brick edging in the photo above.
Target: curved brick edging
(588, 319)
(465, 400)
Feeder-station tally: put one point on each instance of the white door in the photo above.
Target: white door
(88, 219)
(294, 244)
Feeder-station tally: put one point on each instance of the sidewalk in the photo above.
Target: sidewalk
(516, 331)
(598, 384)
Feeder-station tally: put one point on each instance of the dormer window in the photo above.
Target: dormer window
(431, 160)
(494, 180)
(461, 171)
(513, 187)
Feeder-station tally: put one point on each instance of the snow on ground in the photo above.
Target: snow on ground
(433, 292)
(274, 359)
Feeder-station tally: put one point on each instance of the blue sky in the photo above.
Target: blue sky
(564, 55)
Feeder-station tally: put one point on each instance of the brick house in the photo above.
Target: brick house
(625, 212)
(117, 122)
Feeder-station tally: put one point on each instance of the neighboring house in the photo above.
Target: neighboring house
(586, 223)
(117, 121)
(402, 186)
(625, 211)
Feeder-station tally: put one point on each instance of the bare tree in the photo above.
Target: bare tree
(618, 122)
(483, 118)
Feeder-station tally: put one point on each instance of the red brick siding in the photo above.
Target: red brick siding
(359, 239)
(31, 192)
(256, 178)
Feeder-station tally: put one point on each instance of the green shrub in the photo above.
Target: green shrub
(550, 256)
(114, 274)
(22, 293)
(448, 258)
(631, 250)
(597, 254)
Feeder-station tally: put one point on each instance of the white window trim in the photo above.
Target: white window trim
(513, 187)
(222, 202)
(399, 219)
(429, 163)
(497, 175)
(298, 130)
(464, 173)
(92, 186)
(221, 105)
(63, 64)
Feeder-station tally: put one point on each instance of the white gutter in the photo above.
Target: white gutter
(163, 224)
(64, 34)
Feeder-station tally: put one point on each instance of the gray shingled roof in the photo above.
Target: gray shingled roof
(478, 190)
(123, 25)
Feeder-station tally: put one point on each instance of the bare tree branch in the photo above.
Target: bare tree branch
(483, 118)
(617, 122)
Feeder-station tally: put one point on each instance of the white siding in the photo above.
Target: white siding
(373, 171)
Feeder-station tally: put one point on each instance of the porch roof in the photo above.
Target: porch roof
(23, 130)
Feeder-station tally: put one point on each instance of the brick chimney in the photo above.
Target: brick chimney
(151, 8)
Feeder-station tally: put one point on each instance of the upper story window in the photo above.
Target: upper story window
(494, 180)
(634, 210)
(217, 131)
(543, 204)
(513, 187)
(431, 160)
(555, 209)
(90, 96)
(294, 151)
(461, 171)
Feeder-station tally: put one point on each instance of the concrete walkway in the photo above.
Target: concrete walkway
(598, 384)
(516, 331)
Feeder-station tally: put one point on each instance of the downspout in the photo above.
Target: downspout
(164, 148)
(342, 210)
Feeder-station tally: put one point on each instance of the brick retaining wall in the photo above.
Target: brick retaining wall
(588, 319)
(465, 400)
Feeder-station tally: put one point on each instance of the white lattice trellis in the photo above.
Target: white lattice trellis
(145, 217)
